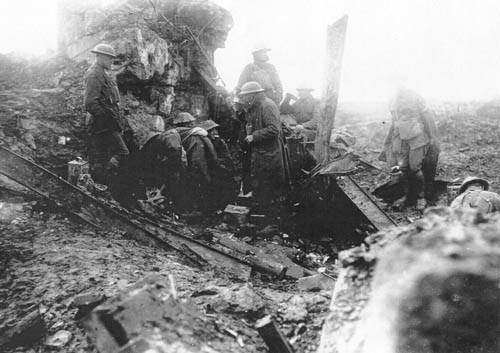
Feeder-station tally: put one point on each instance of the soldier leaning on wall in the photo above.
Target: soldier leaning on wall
(106, 146)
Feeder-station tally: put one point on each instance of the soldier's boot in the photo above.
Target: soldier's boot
(402, 202)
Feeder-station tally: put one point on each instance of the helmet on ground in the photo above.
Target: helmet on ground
(472, 179)
(260, 47)
(251, 87)
(208, 125)
(104, 49)
(183, 117)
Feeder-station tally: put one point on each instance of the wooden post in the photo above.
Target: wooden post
(335, 49)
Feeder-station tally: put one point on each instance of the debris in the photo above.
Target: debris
(272, 335)
(237, 299)
(296, 309)
(236, 214)
(449, 285)
(26, 331)
(86, 303)
(76, 168)
(316, 283)
(149, 309)
(58, 340)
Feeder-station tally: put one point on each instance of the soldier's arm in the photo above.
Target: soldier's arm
(271, 124)
(92, 97)
(285, 106)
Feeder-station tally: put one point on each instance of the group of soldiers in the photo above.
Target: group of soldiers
(188, 158)
(195, 167)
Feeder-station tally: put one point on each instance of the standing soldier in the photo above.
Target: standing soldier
(264, 73)
(107, 148)
(268, 164)
(412, 145)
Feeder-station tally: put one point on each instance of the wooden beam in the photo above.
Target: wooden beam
(336, 34)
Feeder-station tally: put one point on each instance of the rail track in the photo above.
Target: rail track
(103, 215)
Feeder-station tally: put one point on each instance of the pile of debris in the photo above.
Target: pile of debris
(428, 287)
(165, 58)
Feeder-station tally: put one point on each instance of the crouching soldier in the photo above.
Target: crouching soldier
(412, 145)
(268, 171)
(106, 147)
(224, 188)
(160, 163)
(473, 193)
(201, 162)
(305, 109)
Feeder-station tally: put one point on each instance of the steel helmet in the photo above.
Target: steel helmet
(104, 49)
(157, 124)
(183, 117)
(260, 47)
(208, 125)
(251, 87)
(472, 179)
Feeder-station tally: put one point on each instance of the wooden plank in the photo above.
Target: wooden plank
(271, 334)
(365, 203)
(336, 34)
(86, 207)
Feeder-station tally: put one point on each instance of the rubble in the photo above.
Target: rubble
(26, 331)
(316, 283)
(378, 307)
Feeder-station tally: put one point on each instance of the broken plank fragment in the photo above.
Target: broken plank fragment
(146, 316)
(272, 335)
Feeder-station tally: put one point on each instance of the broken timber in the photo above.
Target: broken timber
(274, 338)
(335, 50)
(99, 214)
(365, 203)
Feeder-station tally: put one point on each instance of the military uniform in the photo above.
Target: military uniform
(267, 76)
(268, 163)
(481, 200)
(106, 145)
(411, 142)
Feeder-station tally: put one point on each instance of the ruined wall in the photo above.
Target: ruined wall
(162, 47)
(430, 287)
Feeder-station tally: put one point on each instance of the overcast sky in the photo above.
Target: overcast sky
(448, 49)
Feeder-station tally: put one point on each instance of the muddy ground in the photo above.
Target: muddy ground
(48, 260)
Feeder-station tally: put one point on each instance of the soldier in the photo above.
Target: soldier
(263, 127)
(412, 145)
(107, 148)
(305, 109)
(264, 73)
(201, 161)
(473, 193)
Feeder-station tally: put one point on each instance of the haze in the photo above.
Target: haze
(447, 49)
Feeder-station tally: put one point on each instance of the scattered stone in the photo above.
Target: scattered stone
(316, 283)
(58, 340)
(86, 303)
(238, 299)
(296, 309)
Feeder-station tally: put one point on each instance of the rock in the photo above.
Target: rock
(316, 283)
(86, 303)
(60, 339)
(433, 287)
(296, 309)
(28, 330)
(147, 317)
(237, 299)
